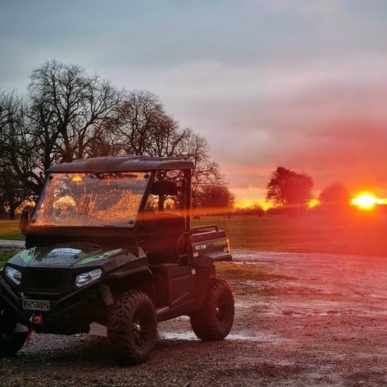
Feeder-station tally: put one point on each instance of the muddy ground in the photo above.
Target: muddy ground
(322, 321)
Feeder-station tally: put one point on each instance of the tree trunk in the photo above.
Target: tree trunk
(11, 213)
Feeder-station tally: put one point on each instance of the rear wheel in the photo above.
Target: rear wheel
(215, 318)
(132, 328)
(10, 341)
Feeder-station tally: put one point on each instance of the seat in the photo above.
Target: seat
(162, 244)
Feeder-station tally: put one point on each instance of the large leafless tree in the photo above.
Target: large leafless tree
(69, 115)
(146, 129)
(69, 110)
(17, 151)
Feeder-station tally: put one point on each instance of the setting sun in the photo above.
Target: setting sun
(313, 203)
(365, 201)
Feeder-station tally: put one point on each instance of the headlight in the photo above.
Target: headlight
(14, 275)
(85, 278)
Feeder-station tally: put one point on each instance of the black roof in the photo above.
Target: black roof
(122, 164)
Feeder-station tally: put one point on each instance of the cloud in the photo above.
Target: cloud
(297, 83)
(325, 118)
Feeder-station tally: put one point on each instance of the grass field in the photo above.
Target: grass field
(9, 229)
(358, 233)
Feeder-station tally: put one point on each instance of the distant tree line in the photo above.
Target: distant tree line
(68, 114)
(291, 192)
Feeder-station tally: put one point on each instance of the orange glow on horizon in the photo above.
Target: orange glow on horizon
(250, 203)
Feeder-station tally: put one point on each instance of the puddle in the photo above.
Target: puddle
(241, 336)
(100, 330)
(243, 304)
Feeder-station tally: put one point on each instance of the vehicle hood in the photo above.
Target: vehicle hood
(64, 255)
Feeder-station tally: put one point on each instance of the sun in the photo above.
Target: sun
(313, 203)
(365, 201)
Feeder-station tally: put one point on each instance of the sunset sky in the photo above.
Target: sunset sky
(297, 83)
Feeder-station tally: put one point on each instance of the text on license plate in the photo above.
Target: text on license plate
(40, 305)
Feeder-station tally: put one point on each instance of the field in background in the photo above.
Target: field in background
(359, 234)
(9, 229)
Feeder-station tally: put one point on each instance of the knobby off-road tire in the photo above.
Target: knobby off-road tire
(215, 318)
(10, 342)
(132, 328)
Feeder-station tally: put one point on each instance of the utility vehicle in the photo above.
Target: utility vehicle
(110, 241)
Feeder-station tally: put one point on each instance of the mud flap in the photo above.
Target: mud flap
(210, 258)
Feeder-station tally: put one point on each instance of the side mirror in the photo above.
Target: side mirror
(25, 219)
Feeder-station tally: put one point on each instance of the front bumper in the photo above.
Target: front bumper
(67, 314)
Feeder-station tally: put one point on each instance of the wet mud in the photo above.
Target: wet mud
(321, 321)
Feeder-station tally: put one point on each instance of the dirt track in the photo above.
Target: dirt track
(322, 324)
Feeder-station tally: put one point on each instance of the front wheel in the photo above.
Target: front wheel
(132, 328)
(10, 340)
(214, 319)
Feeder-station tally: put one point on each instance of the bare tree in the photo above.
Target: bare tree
(146, 129)
(71, 115)
(17, 152)
(206, 171)
(65, 118)
(12, 192)
(69, 110)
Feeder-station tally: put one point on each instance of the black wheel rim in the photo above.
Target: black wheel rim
(142, 329)
(223, 309)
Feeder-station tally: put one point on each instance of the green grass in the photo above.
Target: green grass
(361, 234)
(5, 255)
(9, 229)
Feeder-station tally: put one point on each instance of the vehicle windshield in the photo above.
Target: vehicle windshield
(97, 200)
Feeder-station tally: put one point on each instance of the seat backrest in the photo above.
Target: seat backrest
(161, 245)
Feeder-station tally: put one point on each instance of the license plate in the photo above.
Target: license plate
(40, 305)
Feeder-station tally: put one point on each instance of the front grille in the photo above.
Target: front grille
(45, 279)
